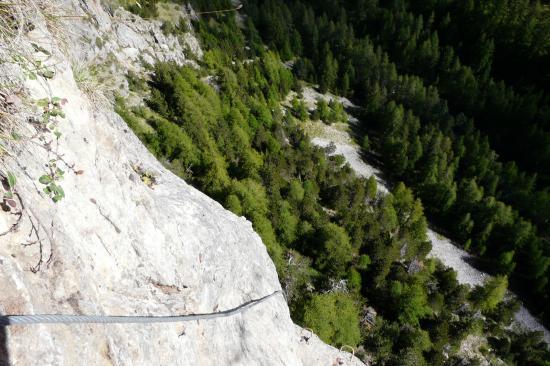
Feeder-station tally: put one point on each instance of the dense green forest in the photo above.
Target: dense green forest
(455, 104)
(340, 248)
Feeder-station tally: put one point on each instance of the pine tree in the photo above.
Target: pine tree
(329, 71)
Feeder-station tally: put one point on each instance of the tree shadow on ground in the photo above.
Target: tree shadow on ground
(371, 157)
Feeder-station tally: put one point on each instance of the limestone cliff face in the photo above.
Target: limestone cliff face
(116, 246)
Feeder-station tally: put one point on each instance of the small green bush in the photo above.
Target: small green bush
(334, 317)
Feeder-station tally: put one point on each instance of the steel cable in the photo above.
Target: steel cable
(8, 320)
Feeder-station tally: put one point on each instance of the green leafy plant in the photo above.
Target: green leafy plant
(9, 190)
(34, 68)
(51, 179)
(52, 108)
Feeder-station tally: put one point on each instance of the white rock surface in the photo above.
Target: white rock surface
(114, 246)
(311, 96)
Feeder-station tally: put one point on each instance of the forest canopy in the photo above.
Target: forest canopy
(455, 101)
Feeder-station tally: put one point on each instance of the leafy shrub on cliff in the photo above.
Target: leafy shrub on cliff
(143, 8)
